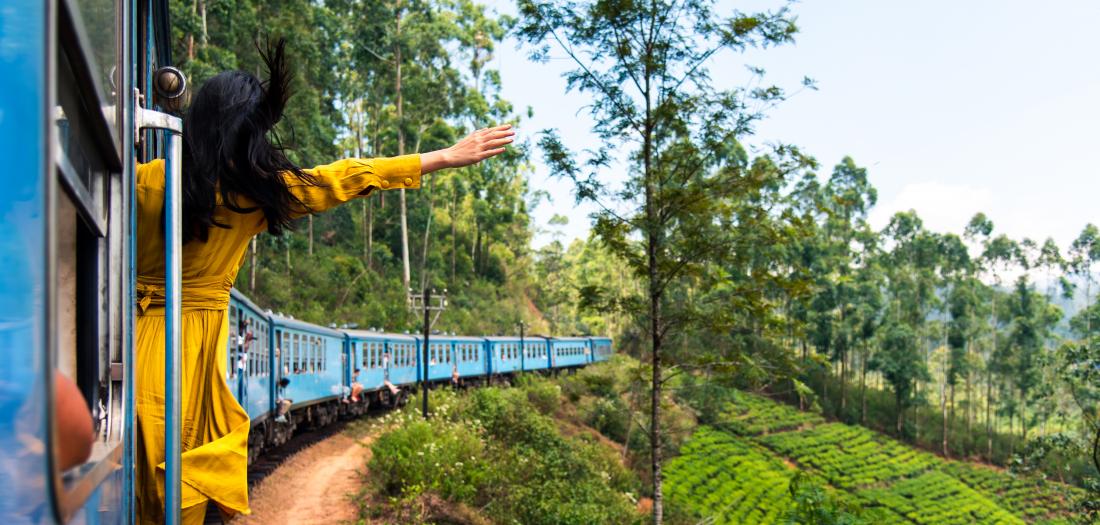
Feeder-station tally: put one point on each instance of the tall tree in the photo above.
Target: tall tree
(646, 67)
(960, 303)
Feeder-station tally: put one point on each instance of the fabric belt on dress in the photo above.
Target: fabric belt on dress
(202, 293)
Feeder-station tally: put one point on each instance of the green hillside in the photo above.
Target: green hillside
(739, 470)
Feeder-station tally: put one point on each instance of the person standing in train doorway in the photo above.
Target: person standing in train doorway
(237, 182)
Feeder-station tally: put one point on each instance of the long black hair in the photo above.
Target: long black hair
(230, 148)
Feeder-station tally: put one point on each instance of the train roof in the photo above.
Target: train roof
(449, 337)
(510, 338)
(571, 338)
(371, 334)
(287, 322)
(240, 297)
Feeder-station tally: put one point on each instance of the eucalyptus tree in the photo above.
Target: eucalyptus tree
(847, 197)
(646, 67)
(402, 44)
(960, 300)
(1083, 253)
(899, 359)
(868, 282)
(997, 256)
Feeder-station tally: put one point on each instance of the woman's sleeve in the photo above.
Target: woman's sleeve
(344, 180)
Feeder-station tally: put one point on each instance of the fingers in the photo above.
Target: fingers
(491, 153)
(496, 143)
(494, 130)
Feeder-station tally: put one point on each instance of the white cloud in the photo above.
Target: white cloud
(942, 207)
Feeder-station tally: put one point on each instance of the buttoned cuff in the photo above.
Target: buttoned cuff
(398, 172)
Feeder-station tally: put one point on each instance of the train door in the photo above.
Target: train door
(89, 301)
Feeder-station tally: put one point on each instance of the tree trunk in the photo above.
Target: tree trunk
(252, 268)
(454, 229)
(427, 236)
(654, 238)
(202, 13)
(900, 414)
(370, 233)
(988, 418)
(805, 352)
(863, 390)
(943, 410)
(969, 413)
(405, 275)
(843, 384)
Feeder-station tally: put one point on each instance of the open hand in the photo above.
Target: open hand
(474, 148)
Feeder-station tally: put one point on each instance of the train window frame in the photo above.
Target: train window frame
(86, 170)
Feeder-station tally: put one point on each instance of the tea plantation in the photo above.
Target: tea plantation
(739, 470)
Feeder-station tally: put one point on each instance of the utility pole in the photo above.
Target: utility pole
(424, 351)
(428, 302)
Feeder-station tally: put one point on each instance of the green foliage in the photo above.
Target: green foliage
(543, 394)
(493, 449)
(937, 498)
(723, 478)
(838, 473)
(749, 414)
(813, 505)
(850, 456)
(437, 456)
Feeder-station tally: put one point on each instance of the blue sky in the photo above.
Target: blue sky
(954, 107)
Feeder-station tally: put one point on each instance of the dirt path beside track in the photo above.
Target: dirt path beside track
(315, 486)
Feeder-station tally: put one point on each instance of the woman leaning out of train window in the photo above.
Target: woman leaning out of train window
(236, 184)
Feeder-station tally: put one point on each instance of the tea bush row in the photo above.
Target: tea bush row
(937, 498)
(720, 477)
(1040, 502)
(849, 456)
(750, 414)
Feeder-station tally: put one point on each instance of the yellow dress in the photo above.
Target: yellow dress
(214, 426)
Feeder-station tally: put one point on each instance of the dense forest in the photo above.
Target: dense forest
(758, 271)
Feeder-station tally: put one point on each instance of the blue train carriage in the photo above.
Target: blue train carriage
(385, 361)
(311, 359)
(454, 358)
(67, 96)
(248, 368)
(401, 359)
(601, 348)
(471, 358)
(505, 357)
(536, 353)
(569, 352)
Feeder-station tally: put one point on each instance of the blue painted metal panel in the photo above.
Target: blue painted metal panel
(569, 351)
(505, 355)
(369, 357)
(601, 349)
(252, 388)
(23, 378)
(470, 356)
(441, 363)
(536, 354)
(403, 359)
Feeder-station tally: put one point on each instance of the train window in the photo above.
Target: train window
(298, 350)
(286, 354)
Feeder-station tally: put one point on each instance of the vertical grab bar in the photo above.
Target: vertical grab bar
(173, 248)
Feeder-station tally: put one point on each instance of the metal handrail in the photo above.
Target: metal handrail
(173, 248)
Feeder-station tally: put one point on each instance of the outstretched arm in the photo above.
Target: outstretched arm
(347, 179)
(474, 148)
